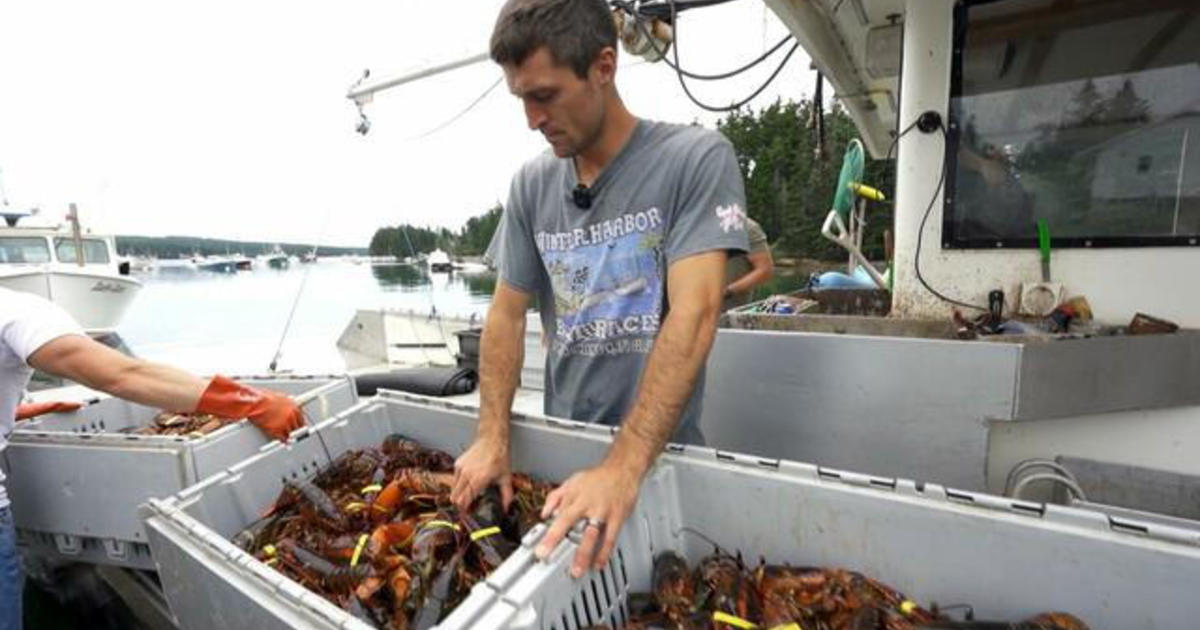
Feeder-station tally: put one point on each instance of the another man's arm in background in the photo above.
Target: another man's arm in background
(606, 493)
(762, 269)
(762, 265)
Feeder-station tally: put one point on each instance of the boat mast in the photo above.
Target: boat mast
(76, 235)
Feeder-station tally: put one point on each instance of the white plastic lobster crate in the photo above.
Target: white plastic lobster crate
(1006, 559)
(211, 583)
(75, 481)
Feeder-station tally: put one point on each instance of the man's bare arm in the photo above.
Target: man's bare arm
(99, 367)
(605, 495)
(694, 287)
(502, 355)
(762, 267)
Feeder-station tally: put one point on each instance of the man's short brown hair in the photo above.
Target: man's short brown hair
(573, 31)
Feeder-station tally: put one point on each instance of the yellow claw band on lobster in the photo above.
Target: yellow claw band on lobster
(440, 524)
(480, 534)
(372, 488)
(736, 622)
(355, 507)
(358, 549)
(907, 607)
(788, 626)
(269, 551)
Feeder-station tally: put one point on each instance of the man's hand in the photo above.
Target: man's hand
(486, 462)
(603, 496)
(278, 416)
(273, 413)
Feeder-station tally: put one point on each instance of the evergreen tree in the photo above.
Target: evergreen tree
(1086, 107)
(1126, 107)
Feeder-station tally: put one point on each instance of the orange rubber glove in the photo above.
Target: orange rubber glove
(26, 411)
(273, 413)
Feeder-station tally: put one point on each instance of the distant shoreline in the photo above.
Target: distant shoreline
(187, 246)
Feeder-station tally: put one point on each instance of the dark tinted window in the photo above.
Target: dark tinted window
(1085, 114)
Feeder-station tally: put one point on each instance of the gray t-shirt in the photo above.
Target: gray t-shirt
(599, 275)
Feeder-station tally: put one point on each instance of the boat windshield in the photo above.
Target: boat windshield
(94, 250)
(1083, 114)
(23, 250)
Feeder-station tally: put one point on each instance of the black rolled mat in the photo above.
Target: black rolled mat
(428, 381)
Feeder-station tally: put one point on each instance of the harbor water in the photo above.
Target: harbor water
(232, 323)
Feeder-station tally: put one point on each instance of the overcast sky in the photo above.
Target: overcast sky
(229, 119)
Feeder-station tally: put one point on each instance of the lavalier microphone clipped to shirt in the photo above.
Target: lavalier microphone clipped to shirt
(582, 196)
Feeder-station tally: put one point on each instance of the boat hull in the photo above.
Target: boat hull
(97, 302)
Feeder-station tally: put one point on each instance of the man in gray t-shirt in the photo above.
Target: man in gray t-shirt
(600, 273)
(621, 233)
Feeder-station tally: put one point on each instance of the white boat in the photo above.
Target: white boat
(275, 259)
(175, 265)
(439, 261)
(471, 268)
(215, 264)
(79, 272)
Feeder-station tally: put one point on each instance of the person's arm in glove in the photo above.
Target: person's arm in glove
(26, 411)
(276, 414)
(99, 367)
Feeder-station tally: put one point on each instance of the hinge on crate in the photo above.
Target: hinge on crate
(857, 479)
(996, 503)
(1127, 527)
(747, 460)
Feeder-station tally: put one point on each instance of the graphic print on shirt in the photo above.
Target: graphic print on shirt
(607, 281)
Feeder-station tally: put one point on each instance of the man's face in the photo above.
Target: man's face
(567, 110)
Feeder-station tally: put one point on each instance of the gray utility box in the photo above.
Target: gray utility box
(75, 481)
(904, 398)
(211, 583)
(1007, 559)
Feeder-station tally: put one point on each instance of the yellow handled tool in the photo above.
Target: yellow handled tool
(867, 192)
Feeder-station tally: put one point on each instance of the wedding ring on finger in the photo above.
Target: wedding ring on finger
(595, 522)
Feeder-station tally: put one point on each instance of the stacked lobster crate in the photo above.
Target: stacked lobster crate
(717, 540)
(76, 478)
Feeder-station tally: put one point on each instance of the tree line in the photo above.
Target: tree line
(791, 177)
(789, 187)
(188, 246)
(407, 240)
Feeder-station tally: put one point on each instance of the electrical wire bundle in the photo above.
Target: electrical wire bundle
(669, 12)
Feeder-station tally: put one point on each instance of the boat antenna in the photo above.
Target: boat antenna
(299, 292)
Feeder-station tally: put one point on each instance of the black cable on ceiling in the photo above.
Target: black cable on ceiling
(634, 12)
(683, 84)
